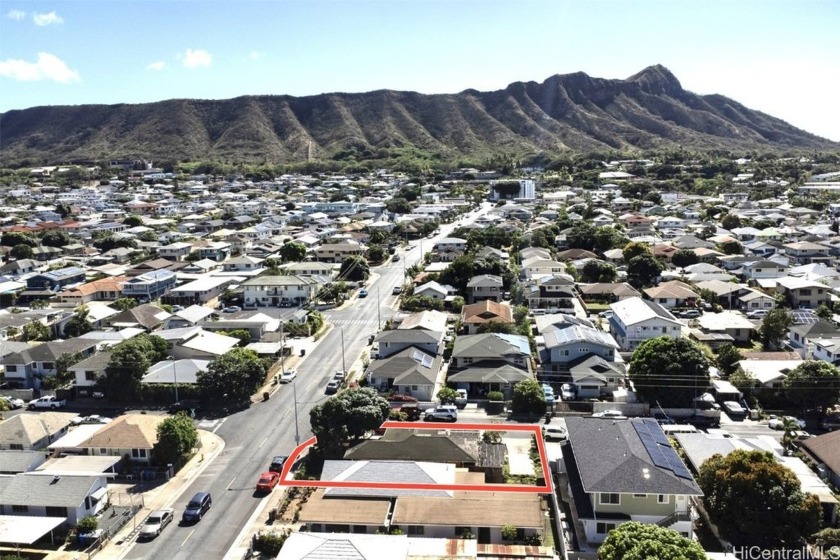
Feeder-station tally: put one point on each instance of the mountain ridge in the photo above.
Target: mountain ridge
(577, 112)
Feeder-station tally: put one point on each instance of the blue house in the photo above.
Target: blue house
(55, 280)
(149, 286)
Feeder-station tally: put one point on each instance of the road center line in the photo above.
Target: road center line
(230, 484)
(263, 442)
(219, 425)
(188, 537)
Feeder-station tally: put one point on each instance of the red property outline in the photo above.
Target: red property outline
(533, 428)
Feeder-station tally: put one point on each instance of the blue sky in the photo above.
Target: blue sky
(779, 56)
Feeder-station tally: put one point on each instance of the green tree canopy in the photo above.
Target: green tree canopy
(756, 501)
(55, 238)
(813, 383)
(643, 270)
(129, 362)
(12, 238)
(36, 330)
(528, 398)
(376, 253)
(730, 221)
(731, 247)
(78, 323)
(232, 377)
(22, 251)
(177, 436)
(398, 205)
(773, 328)
(350, 414)
(354, 269)
(293, 252)
(727, 358)
(633, 249)
(124, 303)
(642, 541)
(598, 271)
(447, 395)
(133, 221)
(669, 371)
(684, 258)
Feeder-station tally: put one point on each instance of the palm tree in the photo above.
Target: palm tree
(791, 427)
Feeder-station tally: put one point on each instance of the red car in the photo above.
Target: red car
(268, 480)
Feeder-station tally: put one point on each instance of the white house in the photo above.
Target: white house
(635, 320)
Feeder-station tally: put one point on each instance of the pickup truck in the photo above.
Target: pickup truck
(47, 402)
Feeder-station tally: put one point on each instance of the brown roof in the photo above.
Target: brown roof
(512, 551)
(129, 431)
(471, 509)
(826, 449)
(346, 511)
(29, 427)
(487, 310)
(103, 285)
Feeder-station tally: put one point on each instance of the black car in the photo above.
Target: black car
(197, 507)
(185, 405)
(277, 463)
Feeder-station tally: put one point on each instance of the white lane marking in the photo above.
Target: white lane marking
(188, 537)
(230, 484)
(263, 442)
(220, 425)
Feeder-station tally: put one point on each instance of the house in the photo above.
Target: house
(432, 290)
(154, 265)
(311, 268)
(419, 445)
(488, 362)
(15, 462)
(805, 252)
(550, 292)
(281, 291)
(672, 294)
(198, 291)
(770, 374)
(339, 252)
(145, 316)
(636, 320)
(218, 251)
(484, 286)
(476, 314)
(626, 470)
(106, 289)
(175, 371)
(410, 372)
(177, 251)
(87, 372)
(450, 244)
(33, 431)
(568, 343)
(539, 266)
(764, 269)
(803, 293)
(727, 292)
(132, 435)
(607, 291)
(54, 280)
(27, 367)
(190, 316)
(149, 286)
(802, 337)
(69, 497)
(824, 451)
(19, 267)
(754, 300)
(595, 377)
(731, 323)
(243, 264)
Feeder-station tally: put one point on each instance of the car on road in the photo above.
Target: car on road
(363, 293)
(778, 422)
(268, 480)
(288, 376)
(332, 387)
(92, 419)
(397, 290)
(548, 392)
(156, 522)
(232, 309)
(557, 433)
(339, 374)
(14, 403)
(734, 409)
(197, 507)
(691, 314)
(396, 258)
(47, 402)
(277, 463)
(442, 413)
(757, 314)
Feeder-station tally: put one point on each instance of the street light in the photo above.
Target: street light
(174, 375)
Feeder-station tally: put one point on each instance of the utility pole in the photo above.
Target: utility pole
(297, 433)
(343, 364)
(282, 350)
(174, 376)
(378, 308)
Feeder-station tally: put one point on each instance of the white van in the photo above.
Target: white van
(670, 429)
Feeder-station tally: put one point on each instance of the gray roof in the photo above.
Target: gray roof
(146, 315)
(283, 281)
(408, 445)
(97, 362)
(50, 351)
(491, 345)
(595, 367)
(411, 366)
(575, 333)
(490, 371)
(19, 461)
(611, 457)
(47, 490)
(485, 280)
(409, 336)
(382, 471)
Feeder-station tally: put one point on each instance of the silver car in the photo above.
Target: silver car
(156, 522)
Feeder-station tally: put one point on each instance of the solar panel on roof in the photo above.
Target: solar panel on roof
(659, 449)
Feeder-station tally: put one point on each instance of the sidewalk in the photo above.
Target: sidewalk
(157, 498)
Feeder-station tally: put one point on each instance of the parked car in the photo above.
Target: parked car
(548, 392)
(277, 463)
(288, 376)
(339, 374)
(232, 309)
(554, 433)
(14, 403)
(733, 408)
(461, 399)
(332, 386)
(197, 507)
(92, 419)
(757, 314)
(567, 392)
(443, 413)
(363, 293)
(397, 290)
(691, 314)
(614, 414)
(47, 402)
(396, 258)
(183, 406)
(778, 423)
(412, 410)
(830, 423)
(605, 314)
(156, 522)
(267, 481)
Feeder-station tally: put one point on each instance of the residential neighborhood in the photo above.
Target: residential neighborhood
(468, 365)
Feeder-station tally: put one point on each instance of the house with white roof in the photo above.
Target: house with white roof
(636, 320)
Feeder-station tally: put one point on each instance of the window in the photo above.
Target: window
(415, 530)
(663, 499)
(640, 495)
(90, 376)
(460, 531)
(613, 499)
(604, 528)
(48, 365)
(16, 446)
(103, 451)
(138, 453)
(20, 509)
(11, 369)
(54, 511)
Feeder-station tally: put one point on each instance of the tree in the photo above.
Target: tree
(243, 335)
(176, 437)
(36, 330)
(528, 398)
(351, 413)
(78, 323)
(354, 269)
(292, 252)
(813, 383)
(669, 371)
(581, 236)
(823, 312)
(598, 271)
(756, 501)
(376, 253)
(773, 328)
(128, 364)
(730, 221)
(55, 238)
(398, 205)
(22, 251)
(643, 270)
(447, 395)
(641, 541)
(12, 238)
(124, 303)
(684, 258)
(731, 247)
(727, 358)
(608, 237)
(232, 377)
(633, 249)
(132, 221)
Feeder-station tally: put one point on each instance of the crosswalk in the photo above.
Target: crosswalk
(353, 321)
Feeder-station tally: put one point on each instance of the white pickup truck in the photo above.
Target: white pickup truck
(47, 402)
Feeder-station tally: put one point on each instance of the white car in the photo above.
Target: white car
(92, 419)
(778, 423)
(288, 376)
(554, 433)
(734, 408)
(14, 403)
(757, 314)
(156, 522)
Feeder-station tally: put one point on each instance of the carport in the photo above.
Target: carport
(16, 530)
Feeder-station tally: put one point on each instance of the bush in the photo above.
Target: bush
(495, 396)
(87, 524)
(270, 544)
(397, 415)
(400, 397)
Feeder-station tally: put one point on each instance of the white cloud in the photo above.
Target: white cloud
(47, 67)
(16, 15)
(256, 55)
(196, 58)
(47, 19)
(159, 65)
